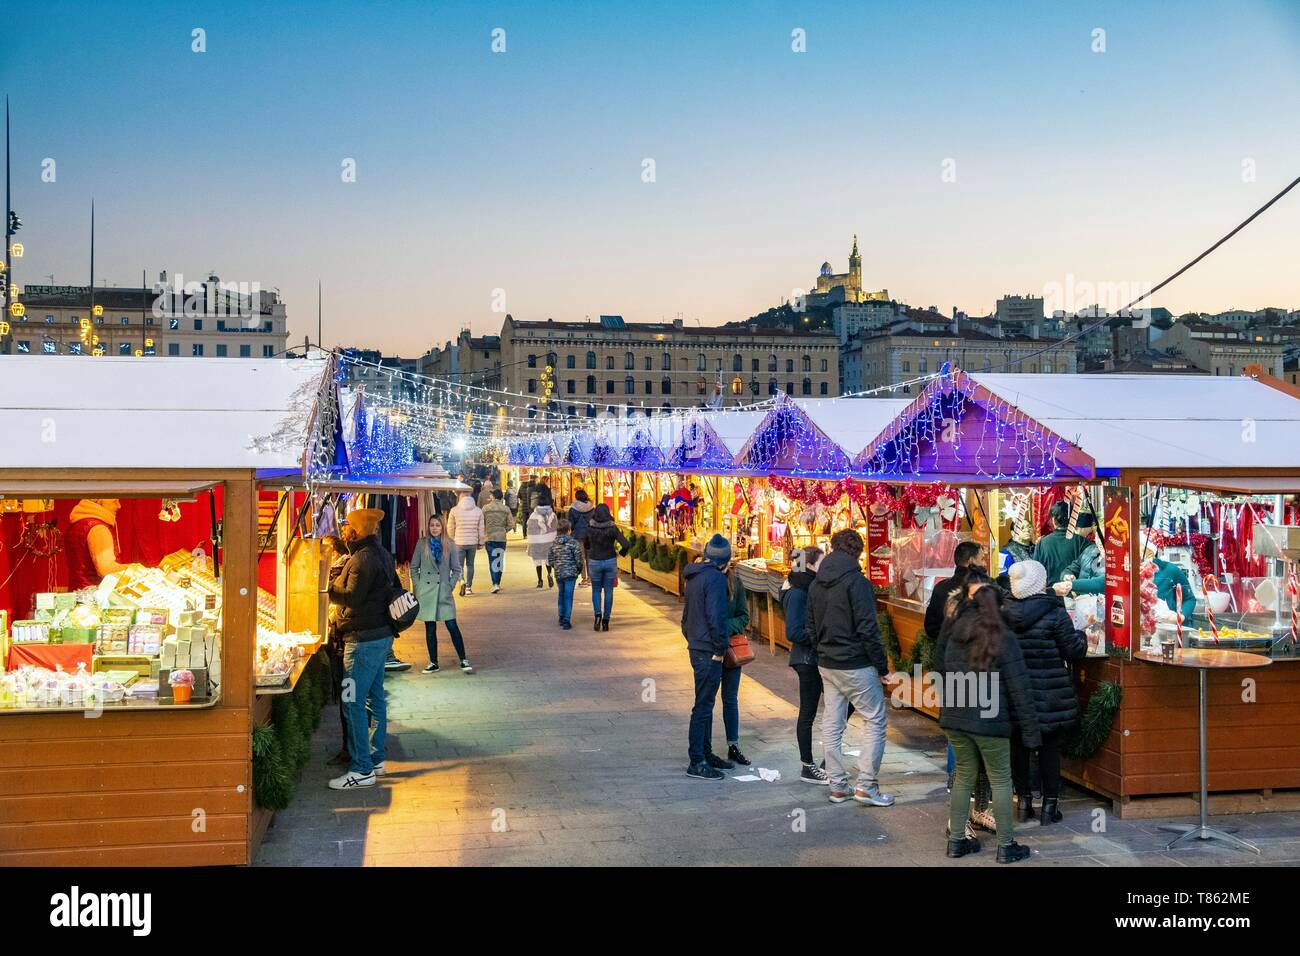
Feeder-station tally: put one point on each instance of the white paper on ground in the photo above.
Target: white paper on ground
(771, 776)
(747, 778)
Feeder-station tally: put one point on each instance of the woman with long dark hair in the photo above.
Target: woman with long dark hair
(986, 699)
(431, 578)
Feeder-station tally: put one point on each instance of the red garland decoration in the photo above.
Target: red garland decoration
(1201, 547)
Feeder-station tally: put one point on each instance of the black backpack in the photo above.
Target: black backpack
(403, 606)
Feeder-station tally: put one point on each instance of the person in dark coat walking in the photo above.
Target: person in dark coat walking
(705, 613)
(1047, 638)
(985, 700)
(604, 542)
(794, 601)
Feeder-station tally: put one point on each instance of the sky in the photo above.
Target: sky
(976, 148)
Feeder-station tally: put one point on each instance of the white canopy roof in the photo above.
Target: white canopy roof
(852, 423)
(734, 428)
(1165, 421)
(125, 412)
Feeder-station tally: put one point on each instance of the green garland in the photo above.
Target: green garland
(282, 747)
(889, 638)
(272, 779)
(1097, 723)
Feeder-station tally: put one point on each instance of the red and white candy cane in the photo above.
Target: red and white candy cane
(1293, 588)
(1210, 579)
(1178, 611)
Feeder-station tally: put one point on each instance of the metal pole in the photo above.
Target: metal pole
(1205, 779)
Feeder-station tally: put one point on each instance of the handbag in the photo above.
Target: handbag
(738, 653)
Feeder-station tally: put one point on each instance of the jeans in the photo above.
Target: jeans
(996, 752)
(564, 596)
(863, 689)
(1049, 766)
(363, 665)
(731, 703)
(602, 585)
(431, 639)
(708, 677)
(496, 551)
(462, 559)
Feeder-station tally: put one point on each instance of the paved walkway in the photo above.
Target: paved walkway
(568, 748)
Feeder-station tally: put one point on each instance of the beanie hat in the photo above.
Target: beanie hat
(1027, 577)
(718, 550)
(365, 521)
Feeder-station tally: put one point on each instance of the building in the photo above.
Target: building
(1219, 349)
(908, 351)
(213, 320)
(385, 379)
(849, 319)
(832, 286)
(1020, 310)
(597, 368)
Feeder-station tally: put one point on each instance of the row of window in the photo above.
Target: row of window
(172, 324)
(50, 347)
(666, 362)
(666, 386)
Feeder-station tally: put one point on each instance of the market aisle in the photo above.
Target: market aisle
(568, 748)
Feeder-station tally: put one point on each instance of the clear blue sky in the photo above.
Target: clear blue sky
(522, 170)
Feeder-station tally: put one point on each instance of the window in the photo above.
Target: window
(907, 365)
(196, 350)
(923, 366)
(25, 346)
(125, 320)
(649, 387)
(591, 360)
(571, 386)
(173, 324)
(221, 325)
(753, 386)
(789, 388)
(266, 327)
(649, 364)
(552, 359)
(245, 351)
(806, 364)
(629, 361)
(737, 363)
(771, 386)
(1047, 367)
(591, 385)
(807, 386)
(222, 351)
(825, 367)
(173, 348)
(701, 363)
(198, 325)
(591, 411)
(49, 346)
(268, 351)
(572, 411)
(532, 386)
(988, 364)
(609, 386)
(789, 366)
(666, 386)
(609, 363)
(771, 363)
(824, 389)
(571, 361)
(753, 366)
(532, 361)
(667, 365)
(629, 386)
(74, 348)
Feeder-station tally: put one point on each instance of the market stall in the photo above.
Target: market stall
(126, 708)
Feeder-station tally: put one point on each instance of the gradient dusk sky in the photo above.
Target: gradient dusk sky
(523, 171)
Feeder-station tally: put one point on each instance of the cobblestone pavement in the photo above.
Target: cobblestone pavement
(556, 753)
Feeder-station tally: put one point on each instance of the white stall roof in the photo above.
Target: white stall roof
(852, 423)
(125, 412)
(734, 428)
(1164, 421)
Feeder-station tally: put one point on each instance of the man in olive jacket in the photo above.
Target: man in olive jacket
(851, 661)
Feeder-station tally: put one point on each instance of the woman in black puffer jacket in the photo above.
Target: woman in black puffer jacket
(1048, 639)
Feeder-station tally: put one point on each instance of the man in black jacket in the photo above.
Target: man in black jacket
(851, 660)
(361, 592)
(704, 625)
(967, 554)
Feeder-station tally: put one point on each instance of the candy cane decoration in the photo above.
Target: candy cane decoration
(1178, 611)
(1293, 588)
(1209, 607)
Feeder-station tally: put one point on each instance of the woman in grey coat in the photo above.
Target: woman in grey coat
(431, 579)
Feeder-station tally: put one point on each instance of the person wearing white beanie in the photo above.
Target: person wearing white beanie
(1047, 638)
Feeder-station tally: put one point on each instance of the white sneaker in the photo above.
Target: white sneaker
(467, 667)
(352, 781)
(496, 588)
(379, 770)
(468, 591)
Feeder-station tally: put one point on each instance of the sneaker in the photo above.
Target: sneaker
(539, 584)
(701, 770)
(354, 781)
(1012, 852)
(466, 590)
(340, 759)
(380, 769)
(466, 666)
(393, 664)
(874, 797)
(959, 848)
(812, 773)
(566, 626)
(717, 763)
(496, 589)
(840, 796)
(431, 669)
(735, 756)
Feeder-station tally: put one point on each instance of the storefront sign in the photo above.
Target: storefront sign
(1116, 529)
(878, 540)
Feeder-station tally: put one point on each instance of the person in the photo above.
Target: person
(852, 663)
(497, 522)
(1047, 638)
(484, 496)
(526, 503)
(541, 535)
(1056, 551)
(794, 602)
(432, 579)
(564, 559)
(1167, 579)
(967, 555)
(579, 515)
(729, 689)
(361, 591)
(602, 538)
(90, 542)
(334, 552)
(465, 526)
(980, 658)
(705, 613)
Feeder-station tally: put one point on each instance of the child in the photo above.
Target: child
(565, 559)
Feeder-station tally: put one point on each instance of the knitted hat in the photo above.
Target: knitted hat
(1027, 577)
(718, 550)
(365, 521)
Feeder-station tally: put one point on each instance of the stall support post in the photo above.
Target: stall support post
(239, 616)
(283, 535)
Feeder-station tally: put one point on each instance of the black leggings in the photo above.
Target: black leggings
(810, 695)
(431, 639)
(1049, 765)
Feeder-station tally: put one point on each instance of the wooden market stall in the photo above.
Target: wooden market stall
(121, 773)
